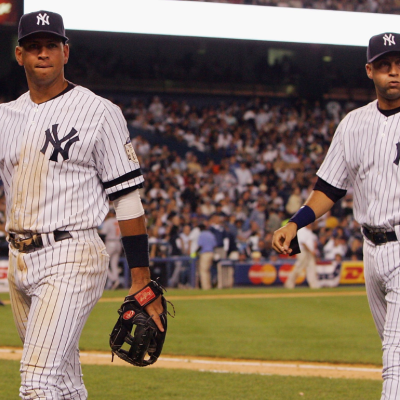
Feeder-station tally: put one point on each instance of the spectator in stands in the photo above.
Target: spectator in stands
(157, 109)
(207, 207)
(305, 260)
(190, 196)
(110, 229)
(255, 236)
(217, 228)
(206, 245)
(157, 192)
(335, 245)
(354, 251)
(295, 201)
(258, 216)
(244, 176)
(180, 274)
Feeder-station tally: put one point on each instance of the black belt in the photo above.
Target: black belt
(35, 241)
(379, 237)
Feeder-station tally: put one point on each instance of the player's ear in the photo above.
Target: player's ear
(18, 55)
(368, 69)
(66, 53)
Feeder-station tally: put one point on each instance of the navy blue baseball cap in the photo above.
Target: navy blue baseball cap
(41, 21)
(382, 44)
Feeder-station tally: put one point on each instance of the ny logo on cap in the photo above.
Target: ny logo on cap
(43, 18)
(389, 40)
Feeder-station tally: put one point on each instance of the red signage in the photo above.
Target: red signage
(286, 269)
(262, 274)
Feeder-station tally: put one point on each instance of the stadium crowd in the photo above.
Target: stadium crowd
(373, 6)
(249, 167)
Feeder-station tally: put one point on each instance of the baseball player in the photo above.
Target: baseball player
(305, 260)
(365, 153)
(63, 151)
(110, 229)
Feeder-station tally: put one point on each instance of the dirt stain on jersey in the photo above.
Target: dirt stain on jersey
(29, 186)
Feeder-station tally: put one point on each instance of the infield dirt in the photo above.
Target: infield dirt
(220, 365)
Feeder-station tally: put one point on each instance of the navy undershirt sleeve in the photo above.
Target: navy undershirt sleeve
(330, 191)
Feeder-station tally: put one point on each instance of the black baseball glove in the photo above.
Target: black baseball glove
(147, 338)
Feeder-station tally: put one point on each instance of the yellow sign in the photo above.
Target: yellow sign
(352, 273)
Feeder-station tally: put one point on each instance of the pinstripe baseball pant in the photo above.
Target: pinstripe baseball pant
(382, 277)
(53, 291)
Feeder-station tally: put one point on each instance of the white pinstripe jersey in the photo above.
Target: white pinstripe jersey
(364, 153)
(59, 159)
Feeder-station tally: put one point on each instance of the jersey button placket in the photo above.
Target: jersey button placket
(33, 114)
(383, 127)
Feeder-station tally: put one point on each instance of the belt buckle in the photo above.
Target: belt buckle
(379, 237)
(37, 241)
(17, 242)
(28, 244)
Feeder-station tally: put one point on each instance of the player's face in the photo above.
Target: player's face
(385, 72)
(43, 56)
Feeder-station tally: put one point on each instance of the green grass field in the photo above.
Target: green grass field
(328, 329)
(120, 383)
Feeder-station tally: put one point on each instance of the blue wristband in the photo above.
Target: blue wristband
(303, 217)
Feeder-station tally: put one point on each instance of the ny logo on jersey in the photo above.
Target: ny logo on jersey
(52, 137)
(389, 40)
(44, 19)
(396, 161)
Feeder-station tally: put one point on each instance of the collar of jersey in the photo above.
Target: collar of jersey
(69, 87)
(388, 113)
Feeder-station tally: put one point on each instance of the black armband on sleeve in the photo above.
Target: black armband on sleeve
(117, 195)
(330, 191)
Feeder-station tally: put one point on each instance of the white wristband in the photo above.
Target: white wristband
(128, 206)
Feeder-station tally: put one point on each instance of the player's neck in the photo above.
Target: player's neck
(42, 93)
(387, 104)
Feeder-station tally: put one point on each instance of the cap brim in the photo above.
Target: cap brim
(381, 54)
(65, 39)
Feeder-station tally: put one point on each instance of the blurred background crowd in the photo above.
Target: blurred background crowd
(245, 166)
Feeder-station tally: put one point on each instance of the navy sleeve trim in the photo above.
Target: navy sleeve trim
(130, 175)
(117, 195)
(330, 191)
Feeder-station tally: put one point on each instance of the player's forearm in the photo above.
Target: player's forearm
(134, 226)
(319, 203)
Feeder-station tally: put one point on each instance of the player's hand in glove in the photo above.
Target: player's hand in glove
(147, 339)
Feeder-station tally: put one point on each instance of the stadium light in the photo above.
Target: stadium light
(220, 20)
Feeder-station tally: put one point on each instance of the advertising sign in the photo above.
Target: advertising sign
(329, 273)
(3, 275)
(352, 273)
